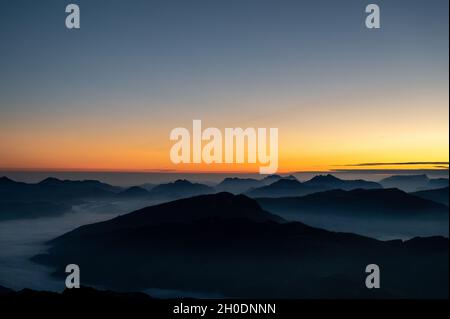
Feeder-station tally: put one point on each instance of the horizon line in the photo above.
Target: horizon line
(170, 171)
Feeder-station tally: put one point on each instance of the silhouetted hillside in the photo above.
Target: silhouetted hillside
(83, 299)
(133, 192)
(413, 183)
(274, 178)
(52, 189)
(282, 188)
(219, 206)
(23, 210)
(292, 187)
(332, 182)
(227, 244)
(237, 185)
(147, 186)
(435, 183)
(437, 195)
(4, 290)
(374, 202)
(180, 189)
(50, 197)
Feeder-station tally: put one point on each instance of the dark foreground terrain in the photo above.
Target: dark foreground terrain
(228, 245)
(89, 301)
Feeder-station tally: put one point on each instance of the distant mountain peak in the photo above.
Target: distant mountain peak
(134, 191)
(326, 178)
(272, 177)
(417, 177)
(411, 183)
(50, 181)
(332, 182)
(6, 180)
(229, 179)
(182, 182)
(286, 182)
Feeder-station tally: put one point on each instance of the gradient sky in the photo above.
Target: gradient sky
(106, 96)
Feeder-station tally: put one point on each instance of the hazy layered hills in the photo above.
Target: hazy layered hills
(238, 185)
(292, 187)
(362, 202)
(228, 244)
(53, 196)
(219, 206)
(331, 182)
(134, 191)
(378, 213)
(283, 187)
(80, 300)
(53, 189)
(439, 195)
(180, 188)
(413, 183)
(49, 197)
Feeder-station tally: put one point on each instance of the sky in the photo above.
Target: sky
(106, 96)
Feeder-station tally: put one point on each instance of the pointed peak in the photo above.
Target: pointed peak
(327, 178)
(286, 181)
(182, 182)
(50, 181)
(5, 180)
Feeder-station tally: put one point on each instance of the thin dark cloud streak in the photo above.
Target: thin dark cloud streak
(397, 163)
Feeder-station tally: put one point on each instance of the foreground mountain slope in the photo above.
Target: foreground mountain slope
(229, 245)
(439, 195)
(219, 206)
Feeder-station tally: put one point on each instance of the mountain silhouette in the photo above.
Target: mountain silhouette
(81, 300)
(53, 189)
(7, 182)
(134, 192)
(237, 185)
(179, 189)
(50, 197)
(439, 195)
(288, 187)
(218, 206)
(4, 290)
(413, 183)
(147, 186)
(435, 183)
(228, 244)
(282, 188)
(274, 178)
(10, 210)
(331, 182)
(79, 185)
(360, 202)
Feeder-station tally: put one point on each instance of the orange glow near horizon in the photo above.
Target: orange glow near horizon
(311, 139)
(316, 153)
